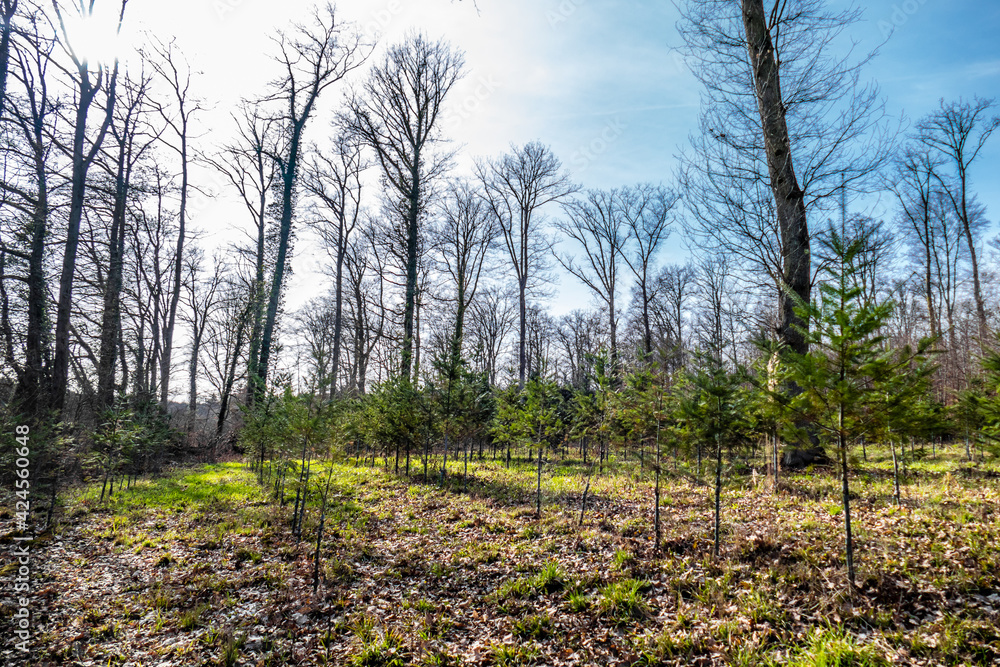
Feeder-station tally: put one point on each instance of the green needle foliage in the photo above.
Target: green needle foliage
(642, 417)
(398, 417)
(532, 417)
(851, 383)
(463, 404)
(716, 409)
(978, 408)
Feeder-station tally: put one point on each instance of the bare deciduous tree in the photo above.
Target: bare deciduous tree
(516, 186)
(464, 238)
(579, 333)
(316, 328)
(783, 116)
(595, 221)
(89, 81)
(647, 210)
(313, 58)
(202, 298)
(133, 136)
(225, 342)
(674, 287)
(8, 10)
(492, 319)
(35, 118)
(540, 343)
(914, 186)
(173, 69)
(367, 310)
(958, 131)
(248, 166)
(334, 180)
(150, 256)
(398, 115)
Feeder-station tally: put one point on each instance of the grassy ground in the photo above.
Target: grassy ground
(199, 567)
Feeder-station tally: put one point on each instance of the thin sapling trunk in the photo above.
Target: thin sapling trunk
(895, 472)
(319, 532)
(718, 489)
(586, 490)
(849, 543)
(538, 486)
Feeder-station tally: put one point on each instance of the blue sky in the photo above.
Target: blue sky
(943, 50)
(598, 80)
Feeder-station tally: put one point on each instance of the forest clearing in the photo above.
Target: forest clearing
(499, 332)
(199, 566)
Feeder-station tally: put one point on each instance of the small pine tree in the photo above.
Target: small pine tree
(851, 383)
(716, 409)
(531, 416)
(642, 415)
(978, 408)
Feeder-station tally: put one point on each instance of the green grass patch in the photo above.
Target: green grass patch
(535, 626)
(550, 580)
(622, 601)
(836, 648)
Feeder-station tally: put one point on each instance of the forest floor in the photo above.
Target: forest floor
(199, 567)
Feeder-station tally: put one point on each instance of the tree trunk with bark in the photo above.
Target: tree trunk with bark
(788, 196)
(9, 9)
(33, 382)
(314, 59)
(80, 162)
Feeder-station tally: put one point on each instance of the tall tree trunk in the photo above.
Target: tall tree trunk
(412, 231)
(80, 161)
(6, 331)
(928, 276)
(522, 310)
(788, 196)
(154, 330)
(613, 330)
(338, 311)
(977, 292)
(9, 8)
(417, 307)
(288, 176)
(111, 319)
(257, 313)
(193, 379)
(175, 293)
(32, 385)
(140, 356)
(647, 329)
(456, 339)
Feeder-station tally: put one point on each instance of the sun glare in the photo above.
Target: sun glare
(94, 38)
